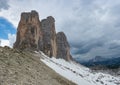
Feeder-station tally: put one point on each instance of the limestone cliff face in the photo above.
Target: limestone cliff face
(49, 36)
(28, 31)
(63, 48)
(33, 34)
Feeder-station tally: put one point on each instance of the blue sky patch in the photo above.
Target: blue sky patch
(5, 28)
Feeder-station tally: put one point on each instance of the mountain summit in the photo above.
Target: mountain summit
(33, 34)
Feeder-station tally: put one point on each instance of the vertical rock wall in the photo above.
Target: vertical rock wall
(63, 48)
(49, 36)
(35, 35)
(28, 31)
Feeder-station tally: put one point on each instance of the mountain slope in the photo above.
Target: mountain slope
(79, 74)
(109, 63)
(24, 68)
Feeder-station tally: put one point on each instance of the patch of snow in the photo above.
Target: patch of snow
(79, 74)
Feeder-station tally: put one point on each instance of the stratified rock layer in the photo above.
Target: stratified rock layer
(35, 35)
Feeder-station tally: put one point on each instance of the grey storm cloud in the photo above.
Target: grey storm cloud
(4, 4)
(94, 29)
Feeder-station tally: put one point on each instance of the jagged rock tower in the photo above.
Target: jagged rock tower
(28, 31)
(49, 36)
(63, 48)
(33, 34)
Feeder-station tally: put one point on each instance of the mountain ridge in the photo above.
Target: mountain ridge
(112, 63)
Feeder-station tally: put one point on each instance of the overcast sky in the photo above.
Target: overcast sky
(92, 26)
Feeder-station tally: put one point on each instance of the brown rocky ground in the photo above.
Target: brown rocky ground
(22, 68)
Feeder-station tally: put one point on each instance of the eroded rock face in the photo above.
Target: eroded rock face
(49, 36)
(28, 31)
(35, 35)
(63, 48)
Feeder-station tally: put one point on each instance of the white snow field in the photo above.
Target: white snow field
(79, 74)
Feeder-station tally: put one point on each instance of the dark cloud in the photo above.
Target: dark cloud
(91, 49)
(94, 29)
(87, 46)
(4, 4)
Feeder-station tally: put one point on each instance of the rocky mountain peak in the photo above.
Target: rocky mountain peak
(63, 48)
(28, 31)
(51, 19)
(49, 36)
(28, 17)
(33, 34)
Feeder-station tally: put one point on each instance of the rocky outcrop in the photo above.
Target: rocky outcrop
(33, 34)
(63, 48)
(49, 36)
(28, 31)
